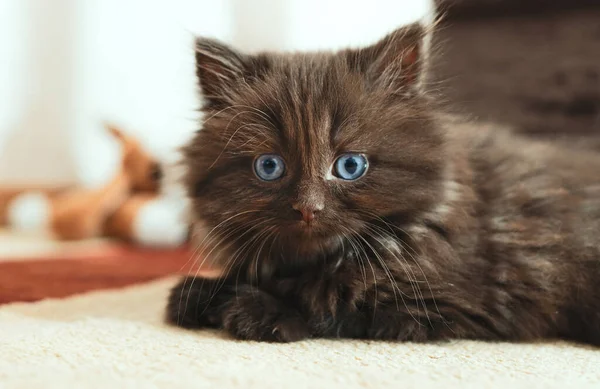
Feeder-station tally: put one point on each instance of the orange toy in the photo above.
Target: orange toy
(113, 210)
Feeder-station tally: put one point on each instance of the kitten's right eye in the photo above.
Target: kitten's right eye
(269, 167)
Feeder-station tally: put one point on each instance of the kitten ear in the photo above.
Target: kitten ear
(218, 68)
(396, 62)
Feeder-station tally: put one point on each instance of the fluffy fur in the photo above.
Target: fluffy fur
(455, 231)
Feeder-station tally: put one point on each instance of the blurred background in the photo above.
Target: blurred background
(533, 65)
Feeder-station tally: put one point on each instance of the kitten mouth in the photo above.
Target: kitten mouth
(302, 232)
(307, 240)
(306, 226)
(308, 229)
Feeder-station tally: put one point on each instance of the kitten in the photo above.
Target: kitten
(339, 203)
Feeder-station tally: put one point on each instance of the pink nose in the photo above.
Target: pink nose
(308, 213)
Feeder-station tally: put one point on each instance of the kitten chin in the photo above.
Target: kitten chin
(424, 227)
(306, 246)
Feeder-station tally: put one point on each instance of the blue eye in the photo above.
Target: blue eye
(351, 167)
(269, 167)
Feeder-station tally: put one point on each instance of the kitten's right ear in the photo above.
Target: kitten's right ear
(218, 68)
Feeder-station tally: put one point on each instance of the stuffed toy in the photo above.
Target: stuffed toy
(130, 206)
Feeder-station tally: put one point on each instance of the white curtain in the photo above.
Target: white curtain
(67, 66)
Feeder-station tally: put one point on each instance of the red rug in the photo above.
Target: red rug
(100, 268)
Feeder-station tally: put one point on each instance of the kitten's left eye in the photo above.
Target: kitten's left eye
(269, 167)
(351, 166)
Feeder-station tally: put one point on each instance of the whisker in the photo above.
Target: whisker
(360, 246)
(392, 280)
(205, 257)
(412, 253)
(228, 266)
(412, 281)
(195, 253)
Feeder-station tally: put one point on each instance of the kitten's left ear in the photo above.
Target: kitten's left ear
(397, 62)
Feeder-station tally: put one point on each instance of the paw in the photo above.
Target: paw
(196, 302)
(290, 329)
(332, 291)
(255, 315)
(394, 326)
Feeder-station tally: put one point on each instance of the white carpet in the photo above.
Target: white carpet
(117, 340)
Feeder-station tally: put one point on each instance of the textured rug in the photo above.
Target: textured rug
(117, 339)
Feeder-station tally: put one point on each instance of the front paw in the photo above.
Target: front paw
(393, 325)
(255, 315)
(196, 302)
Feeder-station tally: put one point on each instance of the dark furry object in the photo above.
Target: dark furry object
(454, 231)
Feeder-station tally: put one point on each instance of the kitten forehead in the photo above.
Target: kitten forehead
(307, 96)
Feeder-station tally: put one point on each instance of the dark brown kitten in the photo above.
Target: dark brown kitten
(340, 204)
